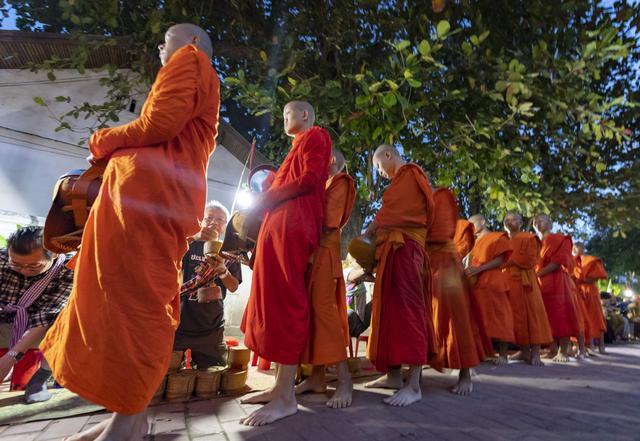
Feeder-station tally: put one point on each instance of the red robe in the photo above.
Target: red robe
(490, 290)
(401, 324)
(112, 343)
(531, 324)
(276, 319)
(557, 288)
(459, 343)
(591, 267)
(329, 329)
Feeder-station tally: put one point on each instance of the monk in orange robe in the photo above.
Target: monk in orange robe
(465, 237)
(490, 290)
(276, 319)
(401, 323)
(113, 341)
(588, 270)
(458, 343)
(531, 325)
(554, 268)
(329, 335)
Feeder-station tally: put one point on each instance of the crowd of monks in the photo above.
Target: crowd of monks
(446, 291)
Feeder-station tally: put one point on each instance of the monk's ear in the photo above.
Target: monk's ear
(387, 155)
(305, 115)
(333, 161)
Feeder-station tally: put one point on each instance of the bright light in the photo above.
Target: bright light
(245, 199)
(628, 293)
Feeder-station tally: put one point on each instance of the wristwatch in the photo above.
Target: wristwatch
(16, 355)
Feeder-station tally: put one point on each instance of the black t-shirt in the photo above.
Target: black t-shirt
(202, 318)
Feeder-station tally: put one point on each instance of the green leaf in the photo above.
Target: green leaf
(443, 29)
(483, 36)
(466, 48)
(475, 40)
(390, 100)
(402, 45)
(51, 76)
(75, 19)
(63, 99)
(377, 133)
(292, 81)
(39, 101)
(402, 100)
(600, 167)
(424, 48)
(414, 83)
(263, 56)
(155, 26)
(393, 85)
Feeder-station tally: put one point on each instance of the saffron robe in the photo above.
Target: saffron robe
(491, 290)
(401, 323)
(558, 293)
(591, 267)
(276, 319)
(329, 330)
(465, 237)
(112, 343)
(459, 342)
(531, 325)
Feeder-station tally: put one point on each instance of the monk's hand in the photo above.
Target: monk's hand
(473, 271)
(6, 363)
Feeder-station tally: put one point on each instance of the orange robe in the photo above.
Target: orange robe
(112, 343)
(531, 324)
(558, 290)
(276, 319)
(591, 267)
(465, 237)
(459, 343)
(491, 290)
(329, 329)
(401, 323)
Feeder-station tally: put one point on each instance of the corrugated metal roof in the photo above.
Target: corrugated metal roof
(18, 49)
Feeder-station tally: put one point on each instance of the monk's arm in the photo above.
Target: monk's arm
(495, 263)
(315, 160)
(548, 269)
(371, 229)
(171, 106)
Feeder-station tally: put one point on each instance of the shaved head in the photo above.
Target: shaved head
(479, 222)
(512, 223)
(384, 148)
(578, 249)
(192, 32)
(387, 160)
(183, 34)
(337, 162)
(298, 116)
(542, 224)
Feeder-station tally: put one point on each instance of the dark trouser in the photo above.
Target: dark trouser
(206, 350)
(356, 325)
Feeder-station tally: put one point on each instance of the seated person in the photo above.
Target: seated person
(35, 285)
(202, 312)
(359, 310)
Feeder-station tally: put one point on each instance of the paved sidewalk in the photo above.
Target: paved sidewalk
(597, 399)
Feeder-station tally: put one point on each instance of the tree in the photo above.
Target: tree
(518, 105)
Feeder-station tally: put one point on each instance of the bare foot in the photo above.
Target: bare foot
(311, 384)
(464, 386)
(501, 361)
(260, 398)
(125, 427)
(275, 410)
(343, 395)
(535, 361)
(92, 433)
(561, 358)
(392, 380)
(404, 397)
(519, 356)
(581, 356)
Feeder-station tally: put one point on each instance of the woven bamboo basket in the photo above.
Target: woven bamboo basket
(157, 397)
(208, 382)
(180, 386)
(234, 380)
(176, 361)
(239, 357)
